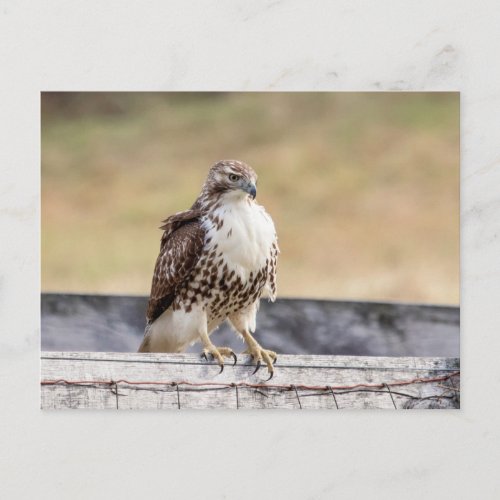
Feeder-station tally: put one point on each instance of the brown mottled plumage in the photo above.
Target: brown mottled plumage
(216, 260)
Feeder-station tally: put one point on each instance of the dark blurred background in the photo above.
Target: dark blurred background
(363, 187)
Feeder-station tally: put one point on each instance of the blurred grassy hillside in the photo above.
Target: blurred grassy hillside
(363, 187)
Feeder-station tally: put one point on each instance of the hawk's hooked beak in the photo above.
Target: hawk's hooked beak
(251, 190)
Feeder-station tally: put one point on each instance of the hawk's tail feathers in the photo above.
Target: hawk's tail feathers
(144, 347)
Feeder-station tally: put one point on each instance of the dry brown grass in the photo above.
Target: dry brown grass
(363, 188)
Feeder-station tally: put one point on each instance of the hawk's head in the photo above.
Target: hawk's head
(231, 177)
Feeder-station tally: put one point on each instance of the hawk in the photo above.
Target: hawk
(216, 261)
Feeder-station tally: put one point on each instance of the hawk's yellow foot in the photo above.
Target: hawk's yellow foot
(260, 354)
(218, 354)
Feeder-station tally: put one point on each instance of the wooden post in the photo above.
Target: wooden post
(100, 380)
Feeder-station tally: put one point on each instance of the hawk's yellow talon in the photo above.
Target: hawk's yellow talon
(259, 354)
(218, 354)
(257, 367)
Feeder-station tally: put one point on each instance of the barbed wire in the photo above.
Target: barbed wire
(318, 390)
(417, 380)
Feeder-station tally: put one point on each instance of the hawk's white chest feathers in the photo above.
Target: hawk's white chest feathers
(244, 235)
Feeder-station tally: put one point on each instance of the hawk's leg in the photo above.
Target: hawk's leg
(217, 353)
(243, 322)
(259, 354)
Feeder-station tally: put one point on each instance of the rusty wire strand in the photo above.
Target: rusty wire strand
(214, 386)
(220, 385)
(318, 393)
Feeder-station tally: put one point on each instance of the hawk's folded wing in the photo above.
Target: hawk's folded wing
(181, 246)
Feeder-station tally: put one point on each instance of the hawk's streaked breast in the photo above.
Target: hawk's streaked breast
(238, 261)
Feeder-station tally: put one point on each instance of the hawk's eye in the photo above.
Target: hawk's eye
(234, 177)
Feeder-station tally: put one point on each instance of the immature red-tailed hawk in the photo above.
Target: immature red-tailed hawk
(216, 260)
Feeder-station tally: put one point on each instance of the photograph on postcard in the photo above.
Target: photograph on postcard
(250, 250)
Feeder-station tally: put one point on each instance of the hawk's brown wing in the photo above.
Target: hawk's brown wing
(181, 247)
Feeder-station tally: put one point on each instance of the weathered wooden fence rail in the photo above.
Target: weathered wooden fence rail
(183, 381)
